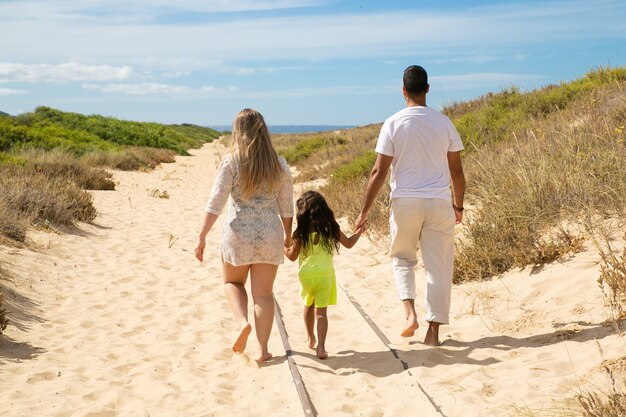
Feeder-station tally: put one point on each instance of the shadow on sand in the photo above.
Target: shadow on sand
(384, 363)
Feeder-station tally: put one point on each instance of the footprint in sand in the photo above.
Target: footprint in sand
(42, 376)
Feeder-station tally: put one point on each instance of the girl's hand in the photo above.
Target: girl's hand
(200, 250)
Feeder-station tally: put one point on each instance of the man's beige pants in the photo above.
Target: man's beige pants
(427, 223)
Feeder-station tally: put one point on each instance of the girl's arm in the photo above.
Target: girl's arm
(292, 252)
(348, 242)
(209, 221)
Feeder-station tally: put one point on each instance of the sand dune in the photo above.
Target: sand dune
(119, 319)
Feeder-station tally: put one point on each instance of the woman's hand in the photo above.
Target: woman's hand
(200, 249)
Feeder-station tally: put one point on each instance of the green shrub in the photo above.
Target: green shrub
(303, 149)
(356, 169)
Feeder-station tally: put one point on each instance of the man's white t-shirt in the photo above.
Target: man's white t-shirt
(419, 139)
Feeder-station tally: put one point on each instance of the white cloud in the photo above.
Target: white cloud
(175, 74)
(31, 73)
(137, 11)
(11, 92)
(303, 36)
(144, 89)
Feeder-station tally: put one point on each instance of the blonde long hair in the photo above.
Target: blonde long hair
(252, 147)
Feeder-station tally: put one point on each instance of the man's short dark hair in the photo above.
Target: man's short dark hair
(415, 79)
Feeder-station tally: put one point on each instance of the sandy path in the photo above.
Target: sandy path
(120, 320)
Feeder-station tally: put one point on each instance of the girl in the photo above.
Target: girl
(316, 238)
(261, 195)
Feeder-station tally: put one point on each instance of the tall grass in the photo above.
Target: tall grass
(40, 197)
(612, 280)
(569, 167)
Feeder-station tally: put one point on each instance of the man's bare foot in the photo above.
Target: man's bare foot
(264, 357)
(432, 336)
(410, 327)
(242, 338)
(321, 353)
(311, 341)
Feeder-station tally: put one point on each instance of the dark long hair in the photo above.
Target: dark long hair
(314, 216)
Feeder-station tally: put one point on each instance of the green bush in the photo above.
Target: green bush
(358, 168)
(303, 149)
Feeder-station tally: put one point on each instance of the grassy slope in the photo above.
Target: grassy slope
(48, 157)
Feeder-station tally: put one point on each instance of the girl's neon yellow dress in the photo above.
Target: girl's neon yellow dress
(317, 275)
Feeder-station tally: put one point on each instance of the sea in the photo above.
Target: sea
(292, 128)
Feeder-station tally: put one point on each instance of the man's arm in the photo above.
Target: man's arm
(458, 183)
(375, 183)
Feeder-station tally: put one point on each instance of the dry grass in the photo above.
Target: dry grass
(46, 187)
(130, 159)
(57, 164)
(612, 278)
(611, 403)
(568, 168)
(28, 196)
(3, 315)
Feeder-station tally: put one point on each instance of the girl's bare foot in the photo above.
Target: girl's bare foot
(264, 357)
(410, 327)
(311, 341)
(321, 353)
(242, 337)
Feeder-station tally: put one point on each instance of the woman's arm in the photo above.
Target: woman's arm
(349, 242)
(209, 221)
(287, 224)
(292, 251)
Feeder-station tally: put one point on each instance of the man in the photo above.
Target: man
(422, 147)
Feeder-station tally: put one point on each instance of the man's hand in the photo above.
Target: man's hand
(360, 222)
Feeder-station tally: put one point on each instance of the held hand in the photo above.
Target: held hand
(458, 217)
(200, 250)
(288, 242)
(360, 222)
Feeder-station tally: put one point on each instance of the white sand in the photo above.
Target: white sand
(121, 320)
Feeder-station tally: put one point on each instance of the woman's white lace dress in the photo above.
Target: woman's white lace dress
(252, 231)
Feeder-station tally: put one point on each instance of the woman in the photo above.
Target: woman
(261, 190)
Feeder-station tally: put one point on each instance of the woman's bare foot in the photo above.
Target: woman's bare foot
(321, 353)
(410, 327)
(311, 341)
(265, 356)
(242, 338)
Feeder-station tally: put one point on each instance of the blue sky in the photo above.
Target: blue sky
(296, 61)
